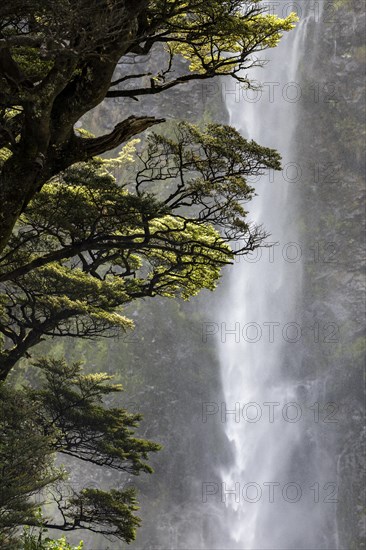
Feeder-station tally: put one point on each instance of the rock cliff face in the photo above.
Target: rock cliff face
(192, 101)
(331, 138)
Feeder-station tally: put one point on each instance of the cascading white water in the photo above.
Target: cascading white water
(278, 480)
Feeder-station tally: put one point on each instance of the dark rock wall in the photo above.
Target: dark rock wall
(331, 138)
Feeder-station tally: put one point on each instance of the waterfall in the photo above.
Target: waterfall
(278, 492)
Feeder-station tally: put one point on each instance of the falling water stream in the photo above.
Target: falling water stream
(277, 493)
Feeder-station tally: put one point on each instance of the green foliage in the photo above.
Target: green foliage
(113, 509)
(33, 539)
(26, 461)
(67, 414)
(218, 28)
(88, 244)
(72, 402)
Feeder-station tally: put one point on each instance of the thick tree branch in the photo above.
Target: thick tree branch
(122, 132)
(158, 88)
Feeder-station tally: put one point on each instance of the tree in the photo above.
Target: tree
(59, 59)
(67, 415)
(34, 539)
(87, 245)
(25, 462)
